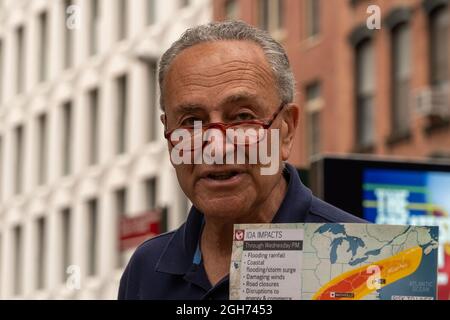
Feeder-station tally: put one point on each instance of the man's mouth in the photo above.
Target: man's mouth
(222, 178)
(222, 175)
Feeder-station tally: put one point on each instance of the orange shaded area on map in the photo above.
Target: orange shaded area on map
(353, 284)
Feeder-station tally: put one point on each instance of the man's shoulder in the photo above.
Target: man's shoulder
(145, 259)
(153, 247)
(141, 269)
(321, 211)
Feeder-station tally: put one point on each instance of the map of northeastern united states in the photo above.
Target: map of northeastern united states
(333, 262)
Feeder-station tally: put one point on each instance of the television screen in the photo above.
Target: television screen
(392, 192)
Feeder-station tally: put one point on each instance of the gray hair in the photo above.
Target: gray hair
(234, 30)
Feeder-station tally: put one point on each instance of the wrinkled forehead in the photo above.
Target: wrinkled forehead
(215, 68)
(212, 53)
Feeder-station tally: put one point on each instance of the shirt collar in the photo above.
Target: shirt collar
(296, 202)
(180, 252)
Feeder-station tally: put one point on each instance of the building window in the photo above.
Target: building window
(439, 53)
(313, 105)
(314, 133)
(271, 15)
(94, 26)
(151, 105)
(122, 19)
(92, 242)
(121, 207)
(231, 10)
(312, 18)
(20, 56)
(66, 146)
(401, 72)
(150, 11)
(1, 259)
(121, 202)
(1, 168)
(18, 265)
(365, 87)
(41, 242)
(68, 35)
(150, 193)
(93, 130)
(121, 120)
(42, 149)
(18, 161)
(43, 46)
(66, 246)
(1, 70)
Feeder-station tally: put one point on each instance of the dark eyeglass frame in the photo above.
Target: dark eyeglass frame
(265, 124)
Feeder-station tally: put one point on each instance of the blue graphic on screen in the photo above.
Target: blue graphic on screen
(397, 197)
(412, 198)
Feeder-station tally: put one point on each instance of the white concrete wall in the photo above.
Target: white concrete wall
(142, 160)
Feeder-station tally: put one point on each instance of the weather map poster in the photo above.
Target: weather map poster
(333, 261)
(412, 198)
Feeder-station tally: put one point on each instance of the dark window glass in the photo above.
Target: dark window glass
(365, 86)
(401, 71)
(439, 53)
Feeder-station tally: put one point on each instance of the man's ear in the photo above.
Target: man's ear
(289, 128)
(162, 117)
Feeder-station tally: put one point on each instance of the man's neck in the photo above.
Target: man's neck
(217, 236)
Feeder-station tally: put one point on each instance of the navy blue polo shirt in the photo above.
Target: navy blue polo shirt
(169, 266)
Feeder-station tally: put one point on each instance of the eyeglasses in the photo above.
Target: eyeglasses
(244, 133)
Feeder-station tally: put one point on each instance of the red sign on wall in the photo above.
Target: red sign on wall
(136, 229)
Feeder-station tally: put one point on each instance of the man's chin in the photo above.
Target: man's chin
(224, 208)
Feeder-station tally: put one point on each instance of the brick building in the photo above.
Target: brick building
(362, 90)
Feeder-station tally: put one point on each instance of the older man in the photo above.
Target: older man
(224, 75)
